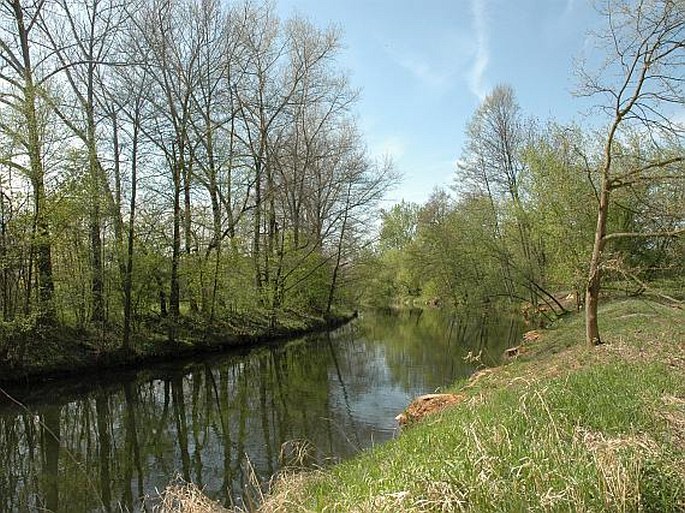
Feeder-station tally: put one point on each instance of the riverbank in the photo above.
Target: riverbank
(60, 352)
(561, 427)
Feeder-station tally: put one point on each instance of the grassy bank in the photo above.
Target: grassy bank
(560, 428)
(34, 352)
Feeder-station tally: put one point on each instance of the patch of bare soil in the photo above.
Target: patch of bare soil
(427, 405)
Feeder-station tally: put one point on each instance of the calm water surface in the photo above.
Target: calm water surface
(100, 444)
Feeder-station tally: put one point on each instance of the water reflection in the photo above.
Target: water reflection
(102, 444)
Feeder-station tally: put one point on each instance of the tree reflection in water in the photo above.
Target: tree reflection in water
(104, 443)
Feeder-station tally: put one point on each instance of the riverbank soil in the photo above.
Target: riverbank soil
(41, 353)
(562, 427)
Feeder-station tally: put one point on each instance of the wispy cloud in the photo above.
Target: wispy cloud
(422, 70)
(570, 5)
(476, 75)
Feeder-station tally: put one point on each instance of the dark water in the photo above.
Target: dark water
(100, 444)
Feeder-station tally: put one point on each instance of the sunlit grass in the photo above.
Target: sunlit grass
(563, 428)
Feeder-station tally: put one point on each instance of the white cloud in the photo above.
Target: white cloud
(476, 75)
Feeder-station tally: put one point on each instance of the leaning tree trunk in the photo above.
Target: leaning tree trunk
(592, 337)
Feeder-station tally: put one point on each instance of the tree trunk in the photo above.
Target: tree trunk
(41, 240)
(128, 275)
(97, 284)
(174, 294)
(215, 245)
(43, 248)
(187, 232)
(336, 269)
(592, 337)
(256, 246)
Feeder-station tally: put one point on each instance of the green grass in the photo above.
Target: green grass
(563, 428)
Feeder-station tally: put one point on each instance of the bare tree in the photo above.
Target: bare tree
(128, 109)
(366, 184)
(282, 66)
(639, 85)
(179, 126)
(23, 93)
(492, 166)
(172, 53)
(81, 35)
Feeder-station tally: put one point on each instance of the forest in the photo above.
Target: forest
(191, 162)
(169, 162)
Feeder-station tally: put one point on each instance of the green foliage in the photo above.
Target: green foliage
(125, 204)
(560, 200)
(488, 243)
(376, 279)
(306, 280)
(662, 488)
(399, 226)
(15, 336)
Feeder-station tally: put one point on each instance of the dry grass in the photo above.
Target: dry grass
(182, 497)
(287, 491)
(674, 415)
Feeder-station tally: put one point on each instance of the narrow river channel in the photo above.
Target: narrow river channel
(103, 442)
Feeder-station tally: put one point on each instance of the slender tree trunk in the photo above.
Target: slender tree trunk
(336, 269)
(215, 245)
(592, 336)
(272, 227)
(5, 271)
(278, 292)
(128, 275)
(43, 249)
(256, 245)
(116, 207)
(97, 284)
(174, 294)
(187, 229)
(163, 310)
(505, 264)
(41, 239)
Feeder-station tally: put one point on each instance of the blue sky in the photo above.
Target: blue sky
(423, 66)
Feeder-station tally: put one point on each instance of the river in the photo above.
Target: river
(102, 442)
